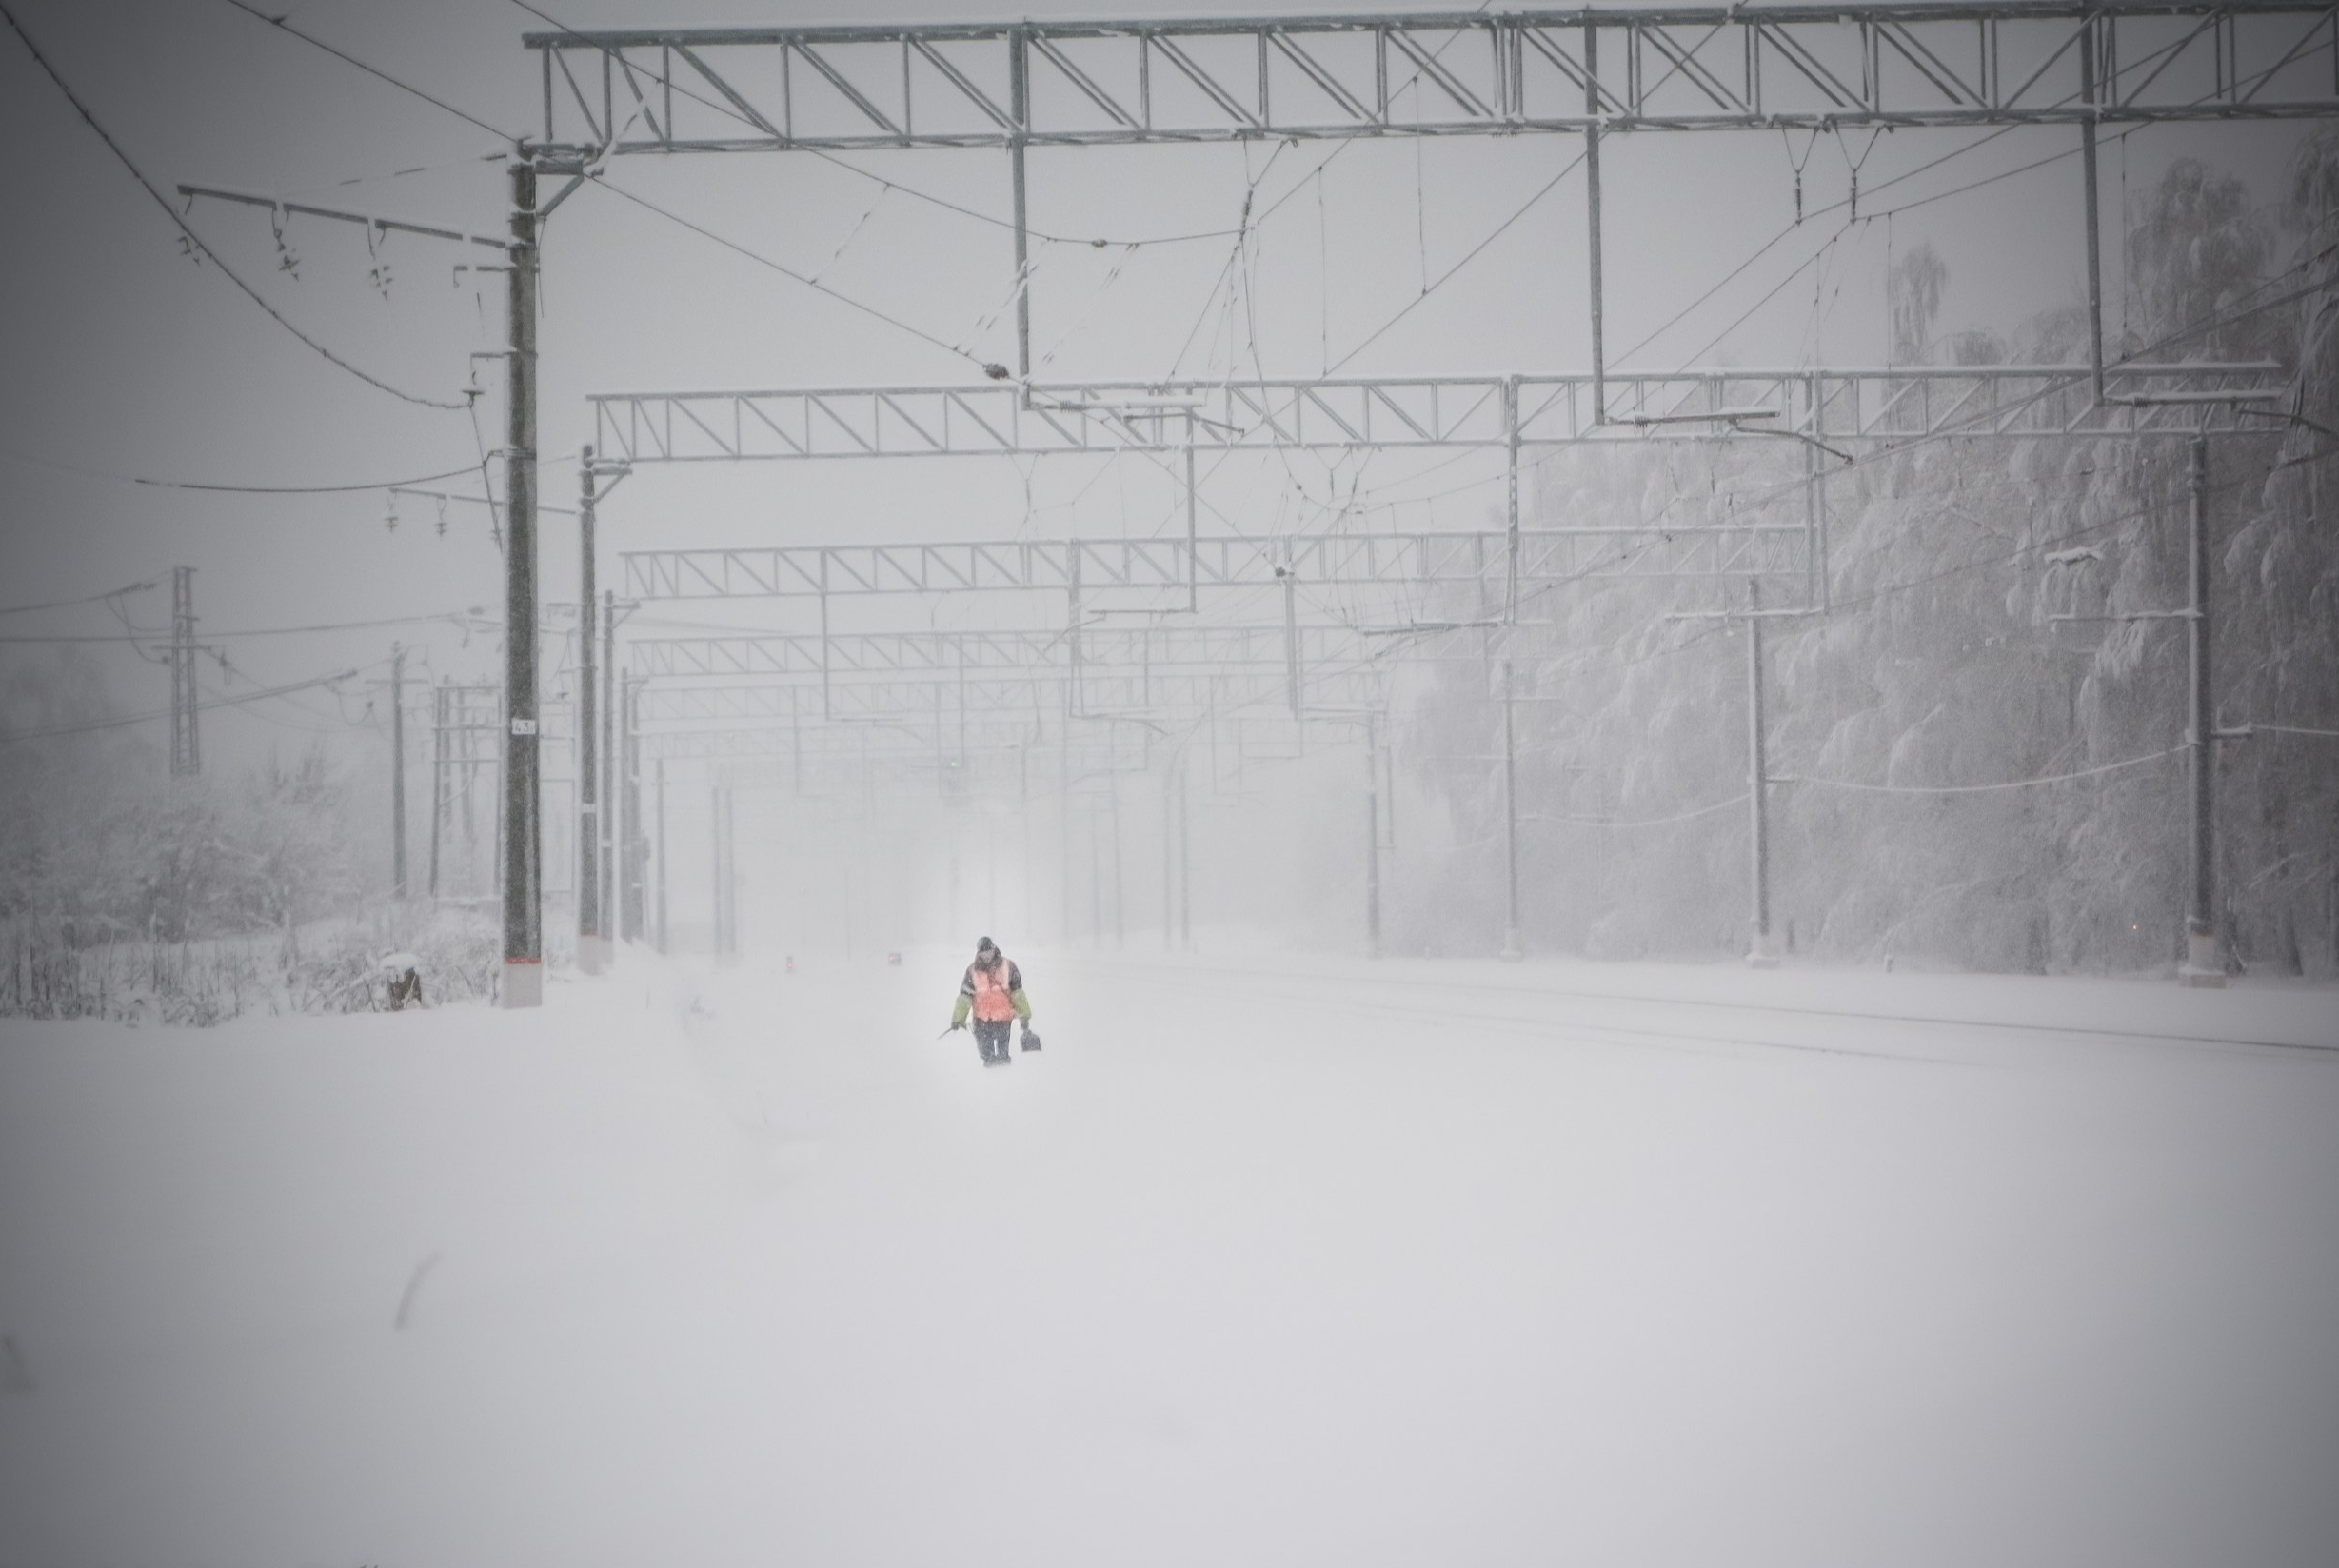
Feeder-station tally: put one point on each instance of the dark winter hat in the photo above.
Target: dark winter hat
(984, 944)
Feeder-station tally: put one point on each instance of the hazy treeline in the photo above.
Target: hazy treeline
(125, 892)
(1939, 666)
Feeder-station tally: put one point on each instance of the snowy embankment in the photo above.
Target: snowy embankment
(1300, 1262)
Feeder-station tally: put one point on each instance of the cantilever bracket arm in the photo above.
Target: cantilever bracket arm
(2284, 414)
(613, 470)
(1804, 436)
(562, 194)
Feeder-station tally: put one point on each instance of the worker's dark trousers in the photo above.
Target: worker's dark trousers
(991, 1039)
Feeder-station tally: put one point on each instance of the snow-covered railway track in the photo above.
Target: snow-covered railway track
(1300, 984)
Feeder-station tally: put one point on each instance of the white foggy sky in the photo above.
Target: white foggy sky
(126, 360)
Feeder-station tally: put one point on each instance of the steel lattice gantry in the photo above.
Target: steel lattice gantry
(1590, 73)
(1838, 407)
(892, 654)
(1081, 568)
(998, 84)
(1015, 695)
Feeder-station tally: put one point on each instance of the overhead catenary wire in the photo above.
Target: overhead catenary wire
(283, 25)
(88, 599)
(1639, 821)
(195, 241)
(51, 731)
(233, 488)
(469, 617)
(1469, 256)
(787, 272)
(1959, 430)
(1980, 788)
(1410, 82)
(1850, 202)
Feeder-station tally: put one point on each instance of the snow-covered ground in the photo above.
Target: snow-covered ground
(1282, 1263)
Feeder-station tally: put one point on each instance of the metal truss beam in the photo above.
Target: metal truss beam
(878, 741)
(1092, 567)
(945, 653)
(1455, 72)
(1034, 696)
(1839, 408)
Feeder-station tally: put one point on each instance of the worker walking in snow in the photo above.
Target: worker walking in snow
(993, 991)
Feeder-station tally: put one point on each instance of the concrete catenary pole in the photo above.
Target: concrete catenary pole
(185, 739)
(521, 849)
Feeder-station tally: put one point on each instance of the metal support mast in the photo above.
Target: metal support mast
(398, 770)
(1510, 569)
(592, 933)
(1760, 952)
(1372, 838)
(1592, 216)
(725, 876)
(2204, 964)
(1185, 857)
(1018, 109)
(631, 866)
(438, 778)
(665, 941)
(522, 877)
(609, 771)
(1511, 952)
(1169, 853)
(2088, 65)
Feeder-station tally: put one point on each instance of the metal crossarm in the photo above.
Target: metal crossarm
(1414, 560)
(857, 763)
(882, 654)
(1842, 407)
(1015, 696)
(998, 84)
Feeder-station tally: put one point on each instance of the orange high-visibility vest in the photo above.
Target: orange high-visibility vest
(993, 1004)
